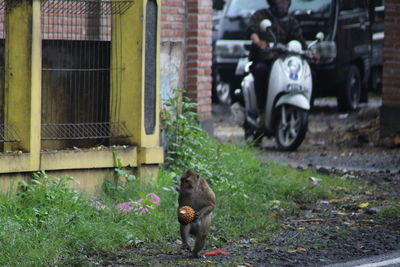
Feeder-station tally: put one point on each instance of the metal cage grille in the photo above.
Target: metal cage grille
(77, 70)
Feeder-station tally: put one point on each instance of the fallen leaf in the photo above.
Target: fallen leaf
(254, 241)
(209, 262)
(274, 215)
(363, 205)
(301, 250)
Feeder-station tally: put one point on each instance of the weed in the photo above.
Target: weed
(49, 223)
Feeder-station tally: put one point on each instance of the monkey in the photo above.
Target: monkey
(194, 191)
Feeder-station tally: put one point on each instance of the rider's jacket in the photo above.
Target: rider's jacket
(285, 30)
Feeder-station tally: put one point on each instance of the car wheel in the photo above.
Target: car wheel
(223, 91)
(350, 92)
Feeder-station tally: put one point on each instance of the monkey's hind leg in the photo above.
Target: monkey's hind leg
(198, 245)
(201, 235)
(184, 229)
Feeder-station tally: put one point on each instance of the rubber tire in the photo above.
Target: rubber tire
(251, 137)
(350, 92)
(303, 118)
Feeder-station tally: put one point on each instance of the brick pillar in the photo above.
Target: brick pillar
(173, 16)
(390, 110)
(199, 55)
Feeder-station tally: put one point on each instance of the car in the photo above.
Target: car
(378, 9)
(345, 23)
(231, 39)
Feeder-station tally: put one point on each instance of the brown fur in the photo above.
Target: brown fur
(194, 191)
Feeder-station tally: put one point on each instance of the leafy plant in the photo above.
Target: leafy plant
(118, 184)
(187, 145)
(182, 133)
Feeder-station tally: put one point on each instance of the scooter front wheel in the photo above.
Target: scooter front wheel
(291, 128)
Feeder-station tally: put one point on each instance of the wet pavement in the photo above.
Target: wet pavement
(343, 142)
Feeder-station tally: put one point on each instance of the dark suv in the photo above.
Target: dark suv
(346, 23)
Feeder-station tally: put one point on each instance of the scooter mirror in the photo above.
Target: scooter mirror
(265, 24)
(320, 36)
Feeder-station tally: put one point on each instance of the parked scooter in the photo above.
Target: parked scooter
(288, 96)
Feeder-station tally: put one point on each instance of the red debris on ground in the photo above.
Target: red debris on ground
(217, 252)
(397, 140)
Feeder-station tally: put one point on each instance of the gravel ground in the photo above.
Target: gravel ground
(334, 141)
(326, 232)
(347, 145)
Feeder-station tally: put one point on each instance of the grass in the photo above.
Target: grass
(48, 223)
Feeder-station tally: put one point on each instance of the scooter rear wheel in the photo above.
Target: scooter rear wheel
(291, 128)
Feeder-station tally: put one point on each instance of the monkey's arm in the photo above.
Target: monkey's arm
(209, 207)
(205, 211)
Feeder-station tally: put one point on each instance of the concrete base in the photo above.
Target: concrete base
(389, 121)
(88, 180)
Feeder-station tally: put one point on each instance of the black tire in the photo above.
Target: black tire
(251, 136)
(350, 92)
(291, 134)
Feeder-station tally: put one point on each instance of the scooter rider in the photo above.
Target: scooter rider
(285, 28)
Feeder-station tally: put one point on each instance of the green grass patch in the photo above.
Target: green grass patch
(49, 223)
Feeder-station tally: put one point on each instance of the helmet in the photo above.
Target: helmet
(273, 2)
(280, 10)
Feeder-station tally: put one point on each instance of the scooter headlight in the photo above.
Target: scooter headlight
(293, 65)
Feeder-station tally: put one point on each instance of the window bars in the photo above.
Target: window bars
(81, 69)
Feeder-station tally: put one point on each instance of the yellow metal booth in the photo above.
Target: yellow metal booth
(79, 83)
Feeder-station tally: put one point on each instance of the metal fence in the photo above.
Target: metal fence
(81, 69)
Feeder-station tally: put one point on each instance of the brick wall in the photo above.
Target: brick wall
(190, 22)
(390, 110)
(173, 17)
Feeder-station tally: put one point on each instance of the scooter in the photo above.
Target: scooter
(288, 96)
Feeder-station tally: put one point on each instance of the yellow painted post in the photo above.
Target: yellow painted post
(23, 77)
(128, 52)
(126, 75)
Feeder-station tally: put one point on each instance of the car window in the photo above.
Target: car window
(312, 7)
(353, 4)
(244, 8)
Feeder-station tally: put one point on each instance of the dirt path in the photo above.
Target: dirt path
(335, 140)
(326, 232)
(347, 145)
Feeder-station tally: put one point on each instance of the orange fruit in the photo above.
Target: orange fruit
(186, 214)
